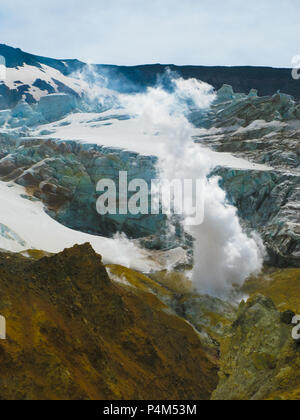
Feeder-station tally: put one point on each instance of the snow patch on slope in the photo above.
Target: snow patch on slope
(27, 75)
(114, 129)
(25, 225)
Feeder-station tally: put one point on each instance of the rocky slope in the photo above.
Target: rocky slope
(72, 333)
(210, 316)
(79, 330)
(259, 358)
(252, 342)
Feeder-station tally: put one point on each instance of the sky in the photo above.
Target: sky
(128, 32)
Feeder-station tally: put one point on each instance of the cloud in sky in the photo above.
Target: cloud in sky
(208, 32)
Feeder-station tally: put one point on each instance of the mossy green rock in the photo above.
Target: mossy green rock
(259, 358)
(72, 333)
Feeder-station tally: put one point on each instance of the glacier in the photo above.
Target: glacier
(65, 133)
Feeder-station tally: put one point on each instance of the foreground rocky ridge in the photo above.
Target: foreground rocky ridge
(79, 330)
(72, 333)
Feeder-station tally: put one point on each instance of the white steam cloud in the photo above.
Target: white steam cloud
(224, 254)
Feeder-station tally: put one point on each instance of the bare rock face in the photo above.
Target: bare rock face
(72, 333)
(260, 360)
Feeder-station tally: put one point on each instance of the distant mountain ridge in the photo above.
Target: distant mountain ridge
(16, 57)
(130, 79)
